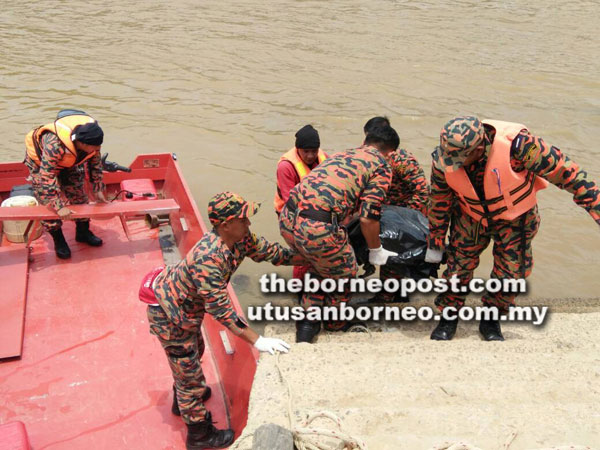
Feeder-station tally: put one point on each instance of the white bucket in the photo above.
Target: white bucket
(15, 229)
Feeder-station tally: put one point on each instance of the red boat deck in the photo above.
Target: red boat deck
(90, 375)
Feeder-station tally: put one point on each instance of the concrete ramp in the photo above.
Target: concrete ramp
(400, 390)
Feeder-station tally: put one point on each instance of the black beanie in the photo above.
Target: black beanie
(89, 133)
(307, 137)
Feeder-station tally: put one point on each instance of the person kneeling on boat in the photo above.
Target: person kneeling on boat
(183, 292)
(56, 156)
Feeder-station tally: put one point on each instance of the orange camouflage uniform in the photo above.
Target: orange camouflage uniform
(50, 182)
(185, 292)
(352, 181)
(409, 185)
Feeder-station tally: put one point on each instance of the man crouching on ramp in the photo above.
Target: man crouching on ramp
(492, 169)
(351, 181)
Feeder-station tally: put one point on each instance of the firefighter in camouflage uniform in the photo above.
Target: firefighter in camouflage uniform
(56, 156)
(483, 181)
(179, 295)
(348, 182)
(409, 188)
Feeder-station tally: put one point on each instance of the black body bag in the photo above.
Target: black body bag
(404, 231)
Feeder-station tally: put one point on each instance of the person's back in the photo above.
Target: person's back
(340, 183)
(53, 154)
(352, 181)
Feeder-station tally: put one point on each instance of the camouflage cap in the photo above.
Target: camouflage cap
(227, 205)
(458, 138)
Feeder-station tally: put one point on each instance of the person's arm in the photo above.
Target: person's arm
(532, 153)
(409, 186)
(373, 195)
(440, 202)
(418, 189)
(208, 274)
(96, 176)
(259, 249)
(52, 153)
(213, 289)
(370, 229)
(371, 200)
(287, 178)
(219, 306)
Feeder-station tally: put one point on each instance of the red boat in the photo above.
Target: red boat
(78, 367)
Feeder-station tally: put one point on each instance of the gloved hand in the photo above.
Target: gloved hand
(379, 256)
(64, 213)
(100, 197)
(264, 344)
(433, 256)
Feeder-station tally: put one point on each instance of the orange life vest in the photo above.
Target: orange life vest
(62, 128)
(508, 194)
(301, 169)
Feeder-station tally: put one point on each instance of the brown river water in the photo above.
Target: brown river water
(225, 85)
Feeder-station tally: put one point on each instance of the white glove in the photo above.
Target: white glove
(379, 256)
(433, 256)
(100, 197)
(271, 345)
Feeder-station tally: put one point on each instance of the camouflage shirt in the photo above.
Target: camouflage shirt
(198, 283)
(409, 185)
(350, 181)
(53, 152)
(528, 152)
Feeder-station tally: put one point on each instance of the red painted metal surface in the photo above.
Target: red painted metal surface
(140, 190)
(96, 210)
(91, 375)
(14, 436)
(13, 276)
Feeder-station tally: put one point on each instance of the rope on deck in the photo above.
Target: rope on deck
(301, 433)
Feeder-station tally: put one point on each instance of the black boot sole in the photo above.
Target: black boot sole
(63, 255)
(492, 337)
(442, 335)
(491, 333)
(85, 241)
(228, 441)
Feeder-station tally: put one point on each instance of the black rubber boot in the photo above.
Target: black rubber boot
(399, 298)
(378, 299)
(83, 234)
(204, 435)
(490, 330)
(306, 330)
(175, 406)
(445, 330)
(60, 245)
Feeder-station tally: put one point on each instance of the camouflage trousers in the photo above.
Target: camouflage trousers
(513, 256)
(184, 350)
(325, 246)
(72, 186)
